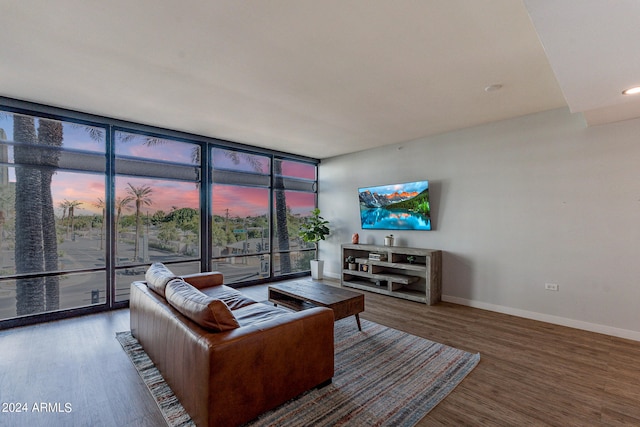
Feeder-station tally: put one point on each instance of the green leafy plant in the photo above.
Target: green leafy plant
(314, 229)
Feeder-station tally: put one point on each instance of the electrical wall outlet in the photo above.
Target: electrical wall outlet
(551, 287)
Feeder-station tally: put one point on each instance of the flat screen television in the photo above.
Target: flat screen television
(395, 207)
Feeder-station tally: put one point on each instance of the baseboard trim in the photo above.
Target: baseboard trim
(556, 320)
(548, 318)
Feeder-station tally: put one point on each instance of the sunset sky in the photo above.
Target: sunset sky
(88, 188)
(241, 201)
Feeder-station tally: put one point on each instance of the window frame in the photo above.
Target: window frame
(206, 145)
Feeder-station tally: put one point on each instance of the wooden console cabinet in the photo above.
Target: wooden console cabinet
(393, 274)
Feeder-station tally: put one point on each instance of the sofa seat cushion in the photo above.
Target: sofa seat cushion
(206, 311)
(157, 276)
(230, 296)
(257, 313)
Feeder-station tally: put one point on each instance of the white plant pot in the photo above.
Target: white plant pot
(317, 265)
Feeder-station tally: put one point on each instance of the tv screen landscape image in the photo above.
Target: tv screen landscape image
(395, 207)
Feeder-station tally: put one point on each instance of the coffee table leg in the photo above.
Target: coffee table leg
(358, 320)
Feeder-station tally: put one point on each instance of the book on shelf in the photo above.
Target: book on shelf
(377, 257)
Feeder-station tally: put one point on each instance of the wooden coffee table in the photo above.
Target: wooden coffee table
(303, 295)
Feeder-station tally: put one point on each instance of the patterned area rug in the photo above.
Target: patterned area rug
(383, 377)
(171, 408)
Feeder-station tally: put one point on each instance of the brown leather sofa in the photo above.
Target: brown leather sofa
(236, 367)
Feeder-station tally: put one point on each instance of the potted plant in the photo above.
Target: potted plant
(351, 262)
(411, 259)
(314, 229)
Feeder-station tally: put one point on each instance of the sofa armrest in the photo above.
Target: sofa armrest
(204, 280)
(269, 363)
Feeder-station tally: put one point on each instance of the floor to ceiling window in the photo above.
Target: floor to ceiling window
(156, 205)
(52, 190)
(240, 222)
(294, 198)
(87, 203)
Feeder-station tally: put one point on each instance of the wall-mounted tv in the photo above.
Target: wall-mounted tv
(395, 207)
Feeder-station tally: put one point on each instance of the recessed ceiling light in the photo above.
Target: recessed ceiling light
(631, 91)
(493, 88)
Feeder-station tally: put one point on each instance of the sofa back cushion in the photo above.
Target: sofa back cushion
(208, 312)
(157, 277)
(204, 280)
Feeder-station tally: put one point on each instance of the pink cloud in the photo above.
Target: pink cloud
(241, 201)
(84, 188)
(298, 169)
(165, 195)
(300, 203)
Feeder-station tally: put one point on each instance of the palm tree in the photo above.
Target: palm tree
(141, 195)
(281, 218)
(29, 256)
(67, 210)
(121, 203)
(4, 186)
(50, 134)
(64, 205)
(101, 205)
(72, 206)
(36, 247)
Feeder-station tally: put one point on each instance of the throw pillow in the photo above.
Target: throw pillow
(206, 311)
(157, 277)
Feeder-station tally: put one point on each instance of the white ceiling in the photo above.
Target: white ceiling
(321, 78)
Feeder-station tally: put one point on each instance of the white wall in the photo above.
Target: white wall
(515, 204)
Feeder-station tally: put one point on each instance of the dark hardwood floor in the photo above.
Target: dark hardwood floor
(73, 365)
(530, 373)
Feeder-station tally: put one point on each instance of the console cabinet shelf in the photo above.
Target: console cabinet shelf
(393, 274)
